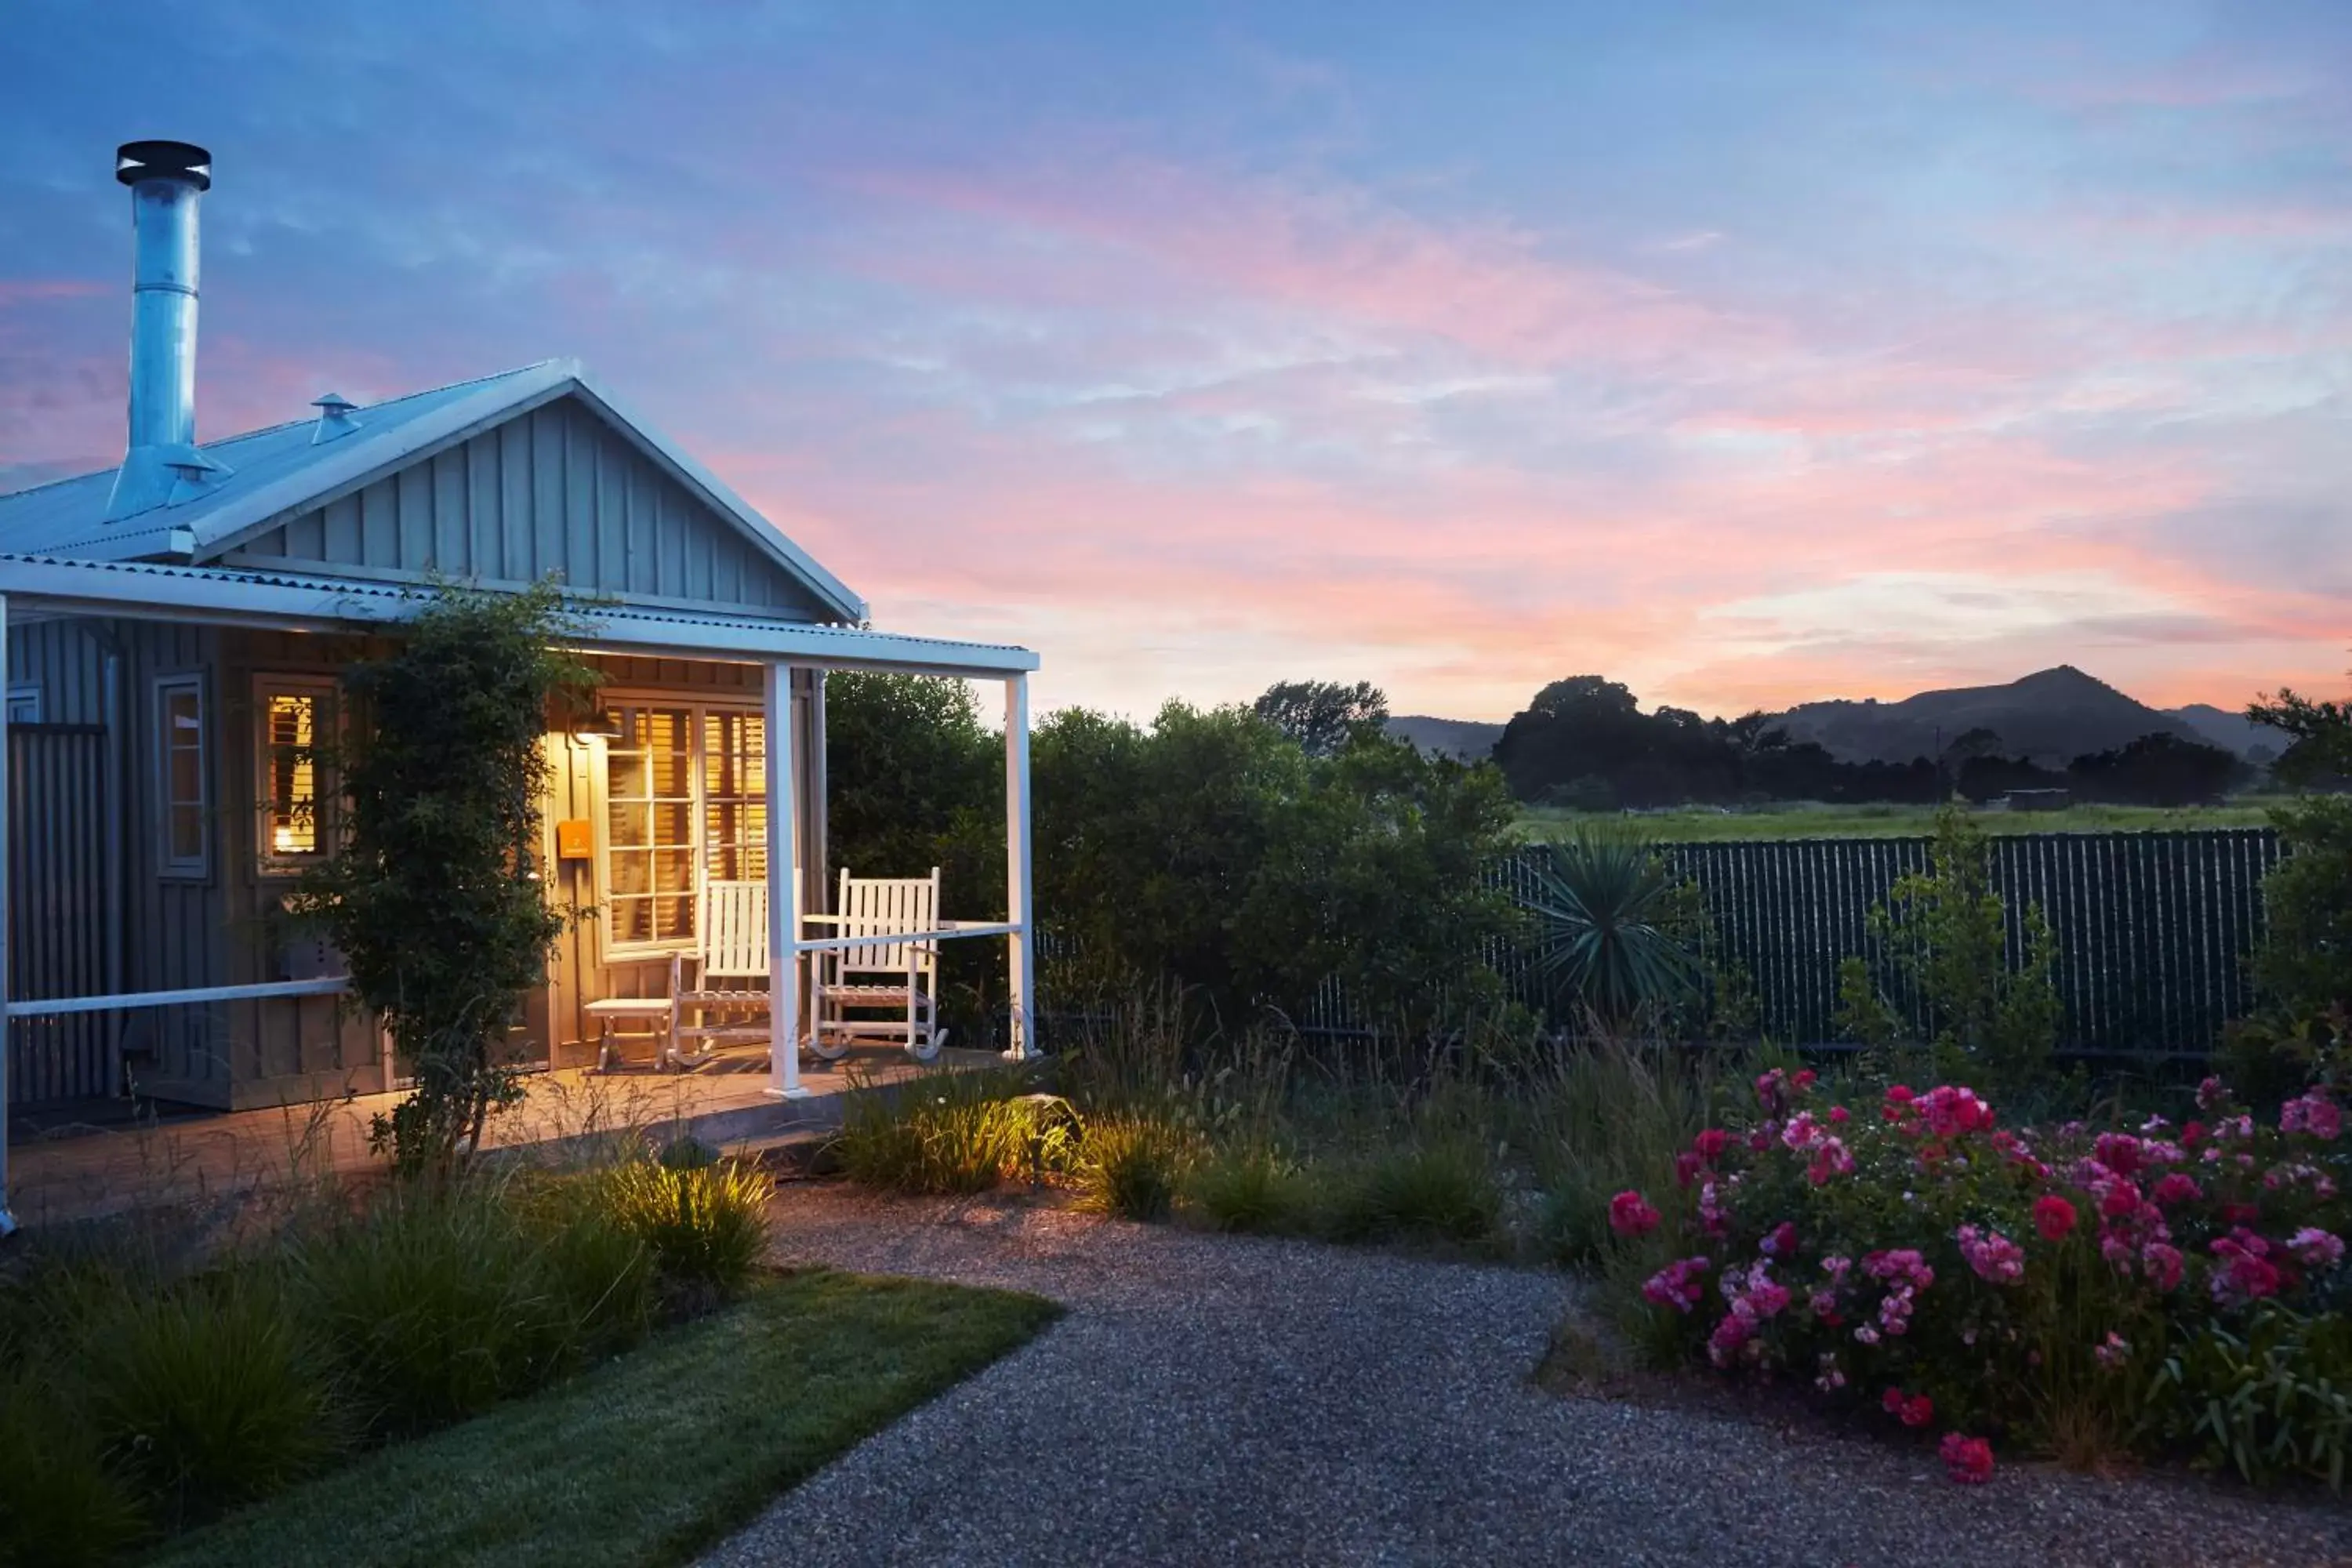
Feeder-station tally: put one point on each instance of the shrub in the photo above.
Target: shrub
(706, 1225)
(1250, 1190)
(61, 1506)
(436, 1302)
(1132, 1167)
(593, 1261)
(1441, 1190)
(1945, 932)
(210, 1394)
(2021, 1286)
(2272, 1399)
(948, 1132)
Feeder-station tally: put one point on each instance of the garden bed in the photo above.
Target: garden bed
(654, 1455)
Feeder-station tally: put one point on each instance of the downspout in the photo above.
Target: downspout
(8, 1220)
(118, 737)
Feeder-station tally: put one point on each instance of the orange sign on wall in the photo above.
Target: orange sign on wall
(575, 839)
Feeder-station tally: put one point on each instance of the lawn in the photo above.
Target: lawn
(652, 1457)
(1810, 819)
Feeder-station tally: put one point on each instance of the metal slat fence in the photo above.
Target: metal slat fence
(2152, 930)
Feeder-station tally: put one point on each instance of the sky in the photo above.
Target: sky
(1746, 354)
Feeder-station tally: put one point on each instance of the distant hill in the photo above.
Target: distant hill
(2232, 732)
(2052, 716)
(1465, 738)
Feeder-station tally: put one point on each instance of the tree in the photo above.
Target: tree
(1211, 850)
(914, 780)
(2303, 967)
(435, 898)
(1322, 715)
(2158, 770)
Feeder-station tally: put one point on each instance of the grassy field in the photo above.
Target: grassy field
(1807, 819)
(652, 1457)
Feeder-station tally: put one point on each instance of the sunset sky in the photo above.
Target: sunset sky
(1746, 353)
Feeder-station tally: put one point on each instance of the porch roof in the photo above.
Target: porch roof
(217, 595)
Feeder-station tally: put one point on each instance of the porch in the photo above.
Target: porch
(207, 686)
(62, 1171)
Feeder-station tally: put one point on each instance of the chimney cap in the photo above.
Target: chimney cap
(137, 161)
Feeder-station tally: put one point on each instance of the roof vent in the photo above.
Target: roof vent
(336, 418)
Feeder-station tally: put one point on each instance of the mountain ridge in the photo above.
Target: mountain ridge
(2050, 716)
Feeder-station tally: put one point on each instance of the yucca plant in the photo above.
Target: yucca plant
(1599, 904)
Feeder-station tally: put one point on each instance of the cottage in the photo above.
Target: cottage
(173, 628)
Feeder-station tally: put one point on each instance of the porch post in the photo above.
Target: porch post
(783, 890)
(8, 1220)
(1021, 980)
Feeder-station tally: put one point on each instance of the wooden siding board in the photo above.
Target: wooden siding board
(579, 562)
(413, 502)
(552, 490)
(543, 525)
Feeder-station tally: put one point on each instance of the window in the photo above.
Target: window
(292, 718)
(685, 797)
(184, 830)
(24, 702)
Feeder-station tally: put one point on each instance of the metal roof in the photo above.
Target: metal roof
(282, 471)
(242, 595)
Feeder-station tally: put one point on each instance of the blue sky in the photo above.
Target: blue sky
(1747, 353)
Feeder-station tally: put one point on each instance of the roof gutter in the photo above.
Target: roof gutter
(194, 595)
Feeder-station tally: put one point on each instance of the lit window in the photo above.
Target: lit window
(685, 797)
(185, 840)
(291, 721)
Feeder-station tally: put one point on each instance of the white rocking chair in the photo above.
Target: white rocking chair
(899, 980)
(728, 1001)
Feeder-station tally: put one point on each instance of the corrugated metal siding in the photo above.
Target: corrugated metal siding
(67, 660)
(173, 931)
(552, 490)
(57, 911)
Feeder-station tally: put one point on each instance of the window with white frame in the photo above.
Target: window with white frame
(293, 717)
(684, 798)
(184, 825)
(23, 702)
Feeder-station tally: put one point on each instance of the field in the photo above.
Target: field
(1810, 819)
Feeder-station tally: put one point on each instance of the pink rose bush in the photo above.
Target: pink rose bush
(1965, 1269)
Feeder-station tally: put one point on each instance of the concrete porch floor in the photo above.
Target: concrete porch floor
(83, 1173)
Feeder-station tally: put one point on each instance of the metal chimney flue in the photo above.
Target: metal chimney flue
(160, 466)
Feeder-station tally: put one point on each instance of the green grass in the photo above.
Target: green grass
(652, 1456)
(1810, 819)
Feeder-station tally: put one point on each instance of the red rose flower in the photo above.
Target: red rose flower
(2053, 1216)
(1968, 1460)
(1630, 1216)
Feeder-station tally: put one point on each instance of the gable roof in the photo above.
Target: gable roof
(279, 471)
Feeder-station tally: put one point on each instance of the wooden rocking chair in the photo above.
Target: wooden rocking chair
(728, 1001)
(881, 989)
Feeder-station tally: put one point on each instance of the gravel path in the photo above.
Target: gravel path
(1222, 1400)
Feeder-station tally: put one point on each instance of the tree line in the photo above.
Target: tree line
(1585, 743)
